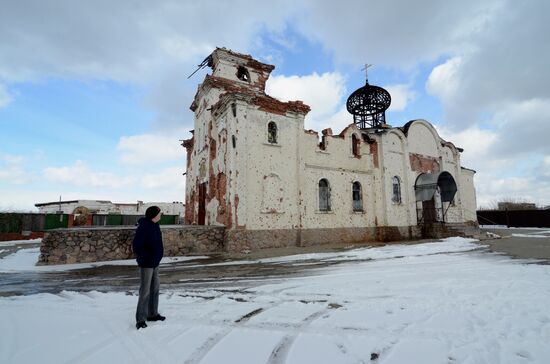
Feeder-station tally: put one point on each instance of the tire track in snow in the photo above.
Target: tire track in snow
(205, 348)
(281, 350)
(212, 341)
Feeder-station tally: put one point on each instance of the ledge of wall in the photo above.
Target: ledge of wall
(85, 245)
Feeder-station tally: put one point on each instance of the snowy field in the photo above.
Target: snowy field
(444, 302)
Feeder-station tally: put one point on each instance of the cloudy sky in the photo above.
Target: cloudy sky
(94, 96)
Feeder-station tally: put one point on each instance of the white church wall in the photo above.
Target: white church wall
(393, 156)
(272, 171)
(451, 163)
(340, 168)
(267, 194)
(225, 68)
(469, 203)
(341, 212)
(422, 139)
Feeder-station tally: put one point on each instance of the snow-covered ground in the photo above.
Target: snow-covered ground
(444, 302)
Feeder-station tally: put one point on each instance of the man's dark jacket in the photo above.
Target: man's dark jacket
(147, 243)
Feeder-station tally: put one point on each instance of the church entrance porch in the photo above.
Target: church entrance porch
(434, 193)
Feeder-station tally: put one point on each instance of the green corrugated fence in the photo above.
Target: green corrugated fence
(168, 220)
(55, 221)
(114, 219)
(18, 222)
(10, 223)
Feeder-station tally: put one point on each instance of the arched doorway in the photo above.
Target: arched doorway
(434, 193)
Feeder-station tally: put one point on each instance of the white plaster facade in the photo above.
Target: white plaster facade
(239, 178)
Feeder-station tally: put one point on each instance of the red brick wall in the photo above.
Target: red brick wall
(18, 236)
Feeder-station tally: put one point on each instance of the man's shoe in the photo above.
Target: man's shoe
(141, 325)
(157, 317)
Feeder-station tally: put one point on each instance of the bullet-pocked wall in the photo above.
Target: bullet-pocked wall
(252, 168)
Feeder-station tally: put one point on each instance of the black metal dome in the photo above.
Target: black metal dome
(368, 105)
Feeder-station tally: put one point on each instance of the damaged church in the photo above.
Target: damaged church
(253, 168)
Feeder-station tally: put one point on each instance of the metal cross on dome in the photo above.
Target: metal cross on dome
(366, 68)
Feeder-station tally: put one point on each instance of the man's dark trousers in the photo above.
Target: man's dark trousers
(148, 302)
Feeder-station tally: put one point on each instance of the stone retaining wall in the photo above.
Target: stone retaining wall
(84, 245)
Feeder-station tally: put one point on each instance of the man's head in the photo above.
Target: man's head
(153, 213)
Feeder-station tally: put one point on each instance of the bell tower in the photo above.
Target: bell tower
(368, 105)
(230, 143)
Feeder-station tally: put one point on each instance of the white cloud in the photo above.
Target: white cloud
(396, 33)
(12, 169)
(443, 81)
(168, 178)
(491, 189)
(150, 149)
(523, 127)
(491, 75)
(325, 95)
(401, 95)
(337, 121)
(505, 155)
(81, 175)
(499, 175)
(183, 48)
(155, 46)
(322, 93)
(124, 40)
(477, 144)
(5, 97)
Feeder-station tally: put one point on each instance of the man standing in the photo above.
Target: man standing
(149, 250)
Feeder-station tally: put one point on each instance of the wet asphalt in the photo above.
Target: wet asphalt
(215, 272)
(220, 272)
(522, 247)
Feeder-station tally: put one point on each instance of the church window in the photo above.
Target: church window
(242, 74)
(356, 196)
(323, 143)
(355, 145)
(396, 189)
(324, 195)
(272, 132)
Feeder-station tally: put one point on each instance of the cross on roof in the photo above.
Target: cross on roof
(366, 68)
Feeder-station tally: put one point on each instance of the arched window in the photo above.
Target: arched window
(242, 74)
(324, 195)
(356, 196)
(396, 188)
(272, 132)
(355, 145)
